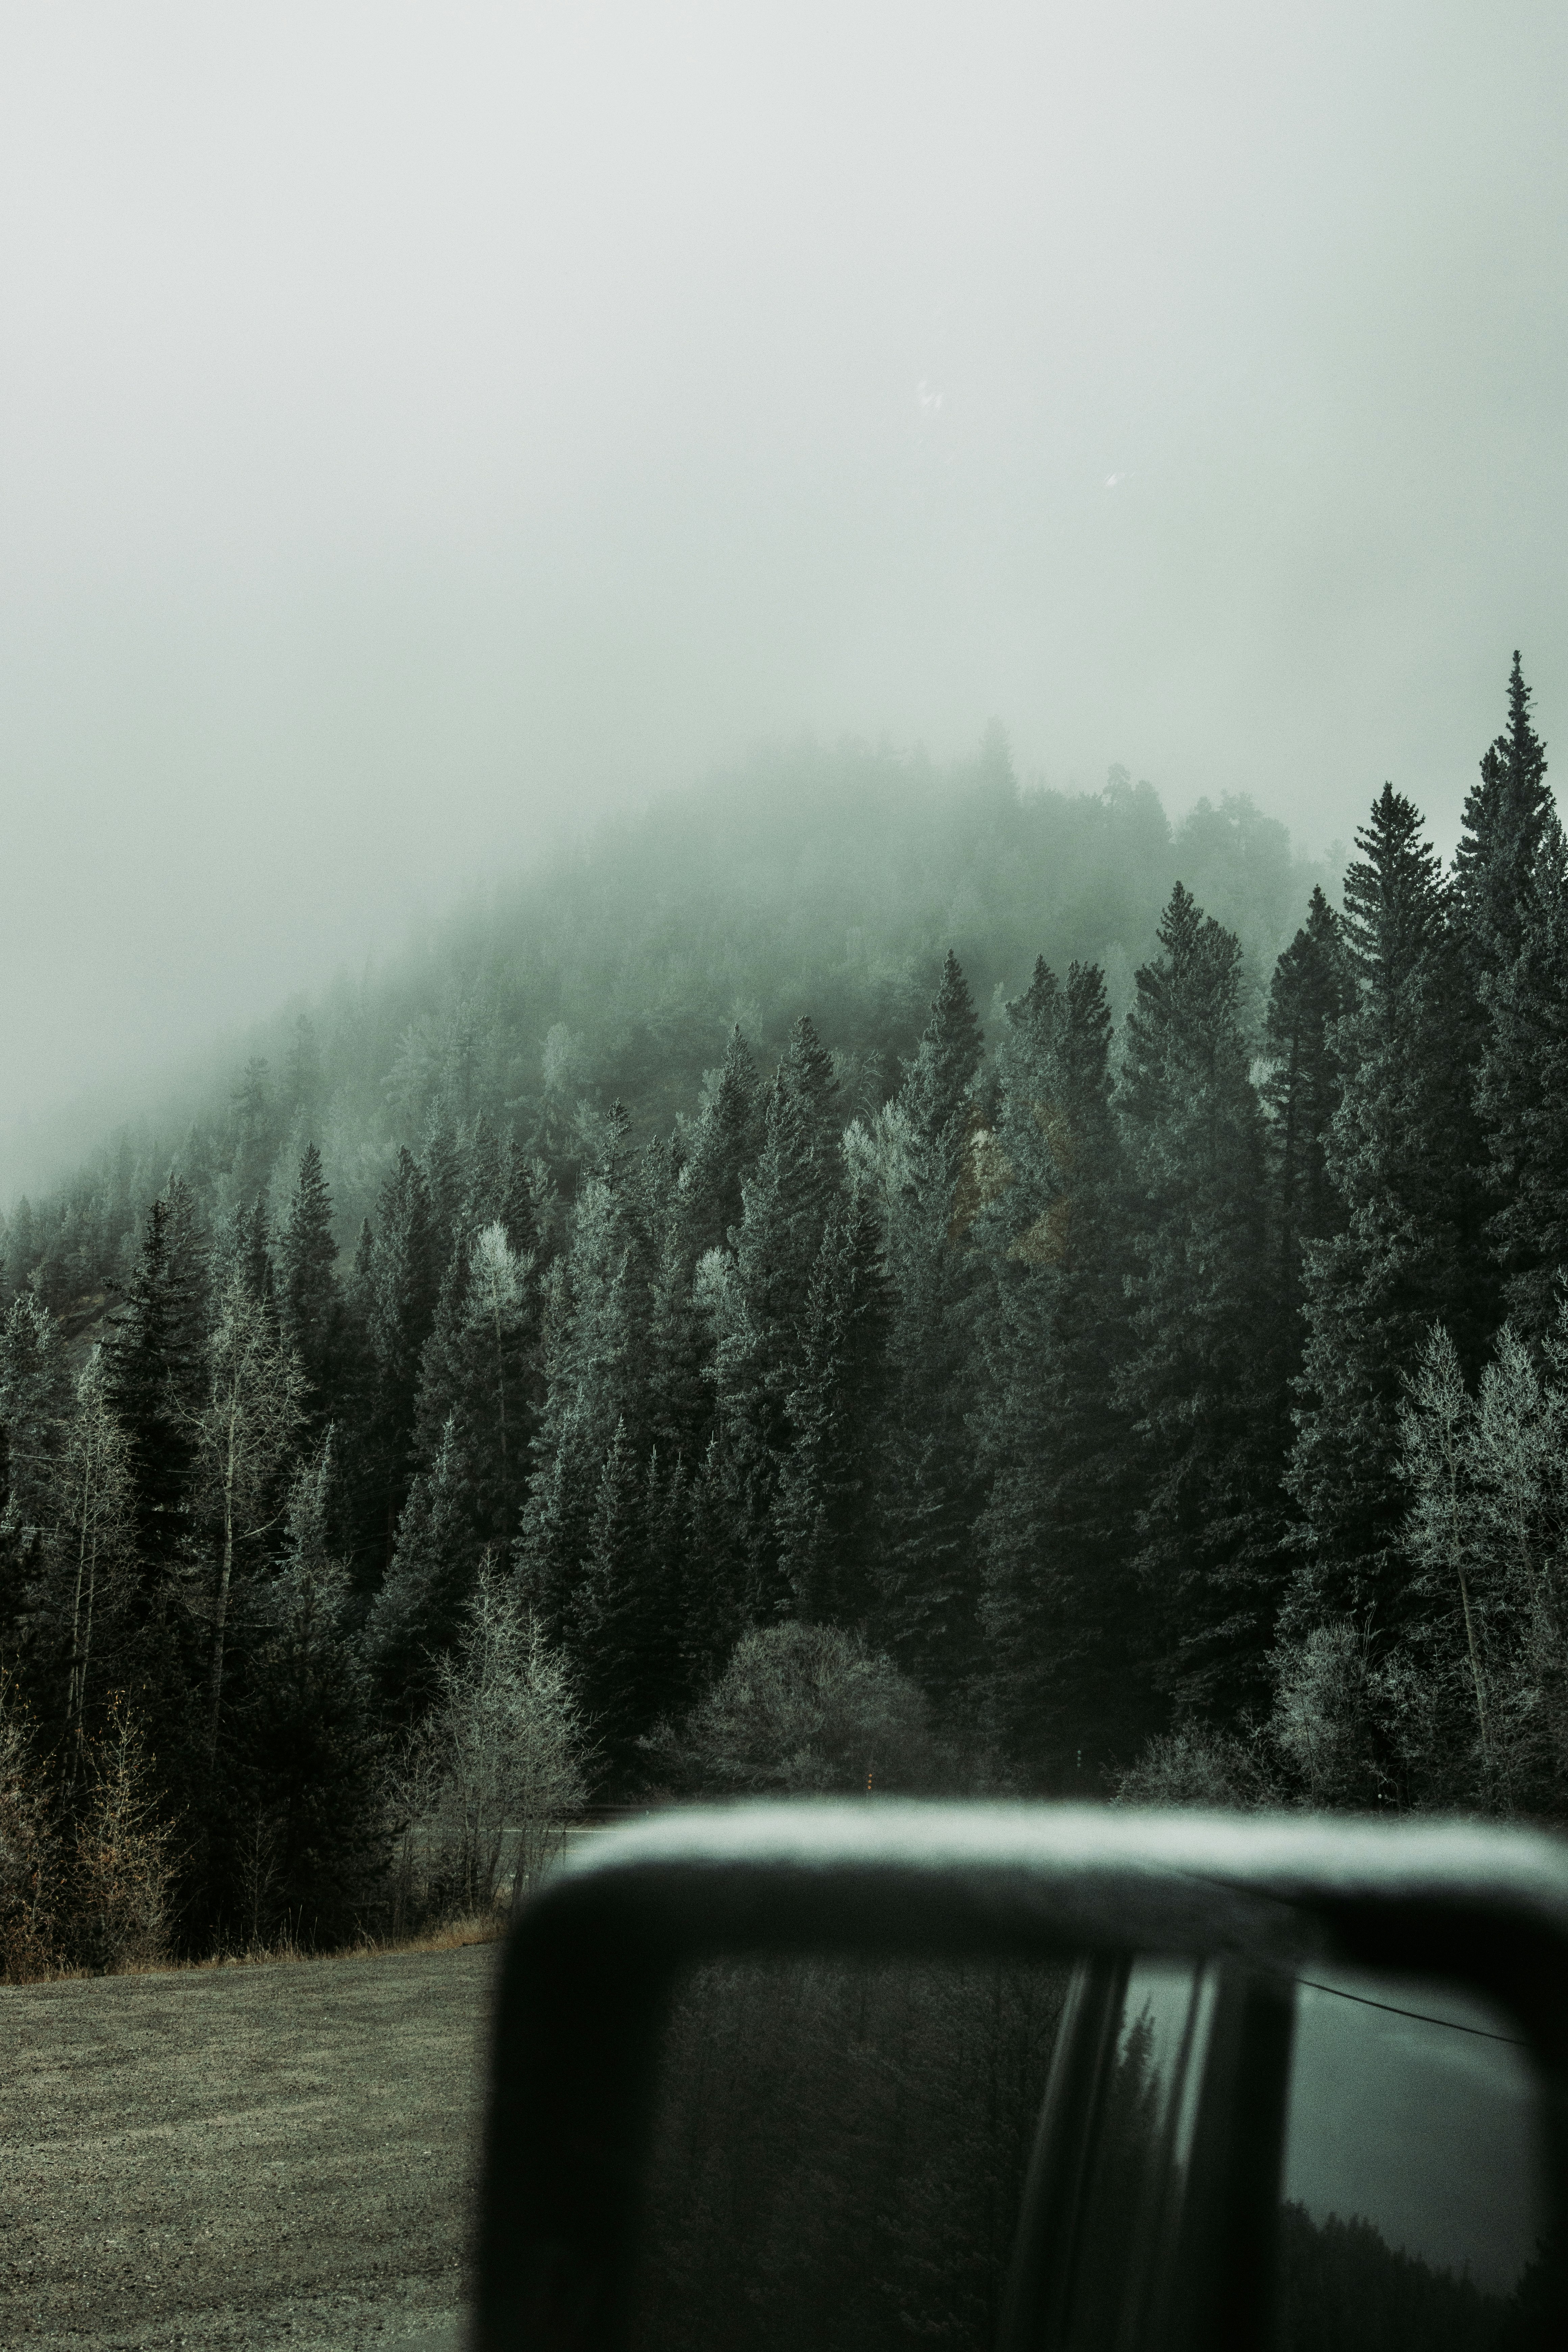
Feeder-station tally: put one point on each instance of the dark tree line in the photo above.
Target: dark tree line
(1171, 1398)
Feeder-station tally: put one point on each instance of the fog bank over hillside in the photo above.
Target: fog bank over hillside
(817, 880)
(428, 430)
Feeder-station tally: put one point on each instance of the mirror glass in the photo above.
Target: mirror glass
(839, 2153)
(841, 2159)
(1414, 2208)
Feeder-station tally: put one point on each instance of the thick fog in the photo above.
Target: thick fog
(422, 427)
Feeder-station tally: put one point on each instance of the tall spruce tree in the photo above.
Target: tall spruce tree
(403, 1290)
(622, 1630)
(929, 1492)
(1067, 1687)
(1312, 989)
(1522, 1098)
(309, 1296)
(156, 1368)
(827, 1512)
(155, 1381)
(595, 1312)
(1403, 1152)
(725, 1139)
(1507, 817)
(756, 1297)
(1201, 1378)
(417, 1613)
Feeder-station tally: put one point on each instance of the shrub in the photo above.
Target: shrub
(802, 1710)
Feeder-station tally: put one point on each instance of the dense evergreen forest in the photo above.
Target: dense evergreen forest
(865, 1277)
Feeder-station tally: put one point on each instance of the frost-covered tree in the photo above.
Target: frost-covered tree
(489, 1779)
(243, 1431)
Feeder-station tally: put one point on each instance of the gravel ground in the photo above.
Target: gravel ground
(244, 2158)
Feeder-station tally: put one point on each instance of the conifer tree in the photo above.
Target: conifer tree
(622, 1632)
(35, 1406)
(1060, 1608)
(755, 1297)
(415, 1618)
(155, 1367)
(595, 1312)
(1311, 990)
(827, 1491)
(930, 1494)
(310, 1301)
(1522, 1098)
(1507, 818)
(476, 1381)
(1201, 1378)
(300, 1837)
(725, 1139)
(1401, 1154)
(155, 1381)
(404, 1286)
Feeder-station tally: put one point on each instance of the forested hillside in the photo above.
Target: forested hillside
(871, 1278)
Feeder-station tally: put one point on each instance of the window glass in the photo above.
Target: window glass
(1142, 2143)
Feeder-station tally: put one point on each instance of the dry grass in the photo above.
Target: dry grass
(455, 1936)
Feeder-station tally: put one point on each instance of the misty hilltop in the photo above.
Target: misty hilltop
(867, 1276)
(829, 882)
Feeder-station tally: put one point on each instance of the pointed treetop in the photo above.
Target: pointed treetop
(1034, 1013)
(940, 1076)
(1395, 899)
(1507, 817)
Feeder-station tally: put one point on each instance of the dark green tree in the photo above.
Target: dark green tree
(157, 1377)
(309, 1295)
(1403, 1152)
(402, 1290)
(930, 1489)
(1068, 1683)
(416, 1615)
(1522, 1098)
(1507, 817)
(301, 1844)
(756, 1297)
(1312, 989)
(623, 1632)
(1202, 1379)
(827, 1512)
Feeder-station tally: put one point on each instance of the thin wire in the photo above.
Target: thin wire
(1419, 2014)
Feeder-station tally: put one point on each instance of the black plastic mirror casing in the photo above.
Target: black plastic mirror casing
(591, 1958)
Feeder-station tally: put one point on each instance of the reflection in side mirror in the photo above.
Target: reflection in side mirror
(848, 2155)
(839, 2152)
(1414, 2209)
(799, 2077)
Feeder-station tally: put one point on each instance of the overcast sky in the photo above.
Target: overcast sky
(419, 425)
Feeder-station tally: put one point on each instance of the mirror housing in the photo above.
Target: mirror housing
(593, 1956)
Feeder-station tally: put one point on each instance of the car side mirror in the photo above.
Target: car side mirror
(1037, 2078)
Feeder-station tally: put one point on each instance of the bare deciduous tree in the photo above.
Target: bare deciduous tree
(496, 1770)
(254, 1408)
(92, 1488)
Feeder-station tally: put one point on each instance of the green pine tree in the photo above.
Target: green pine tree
(1201, 1378)
(1522, 1098)
(1401, 1154)
(1312, 989)
(1060, 1611)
